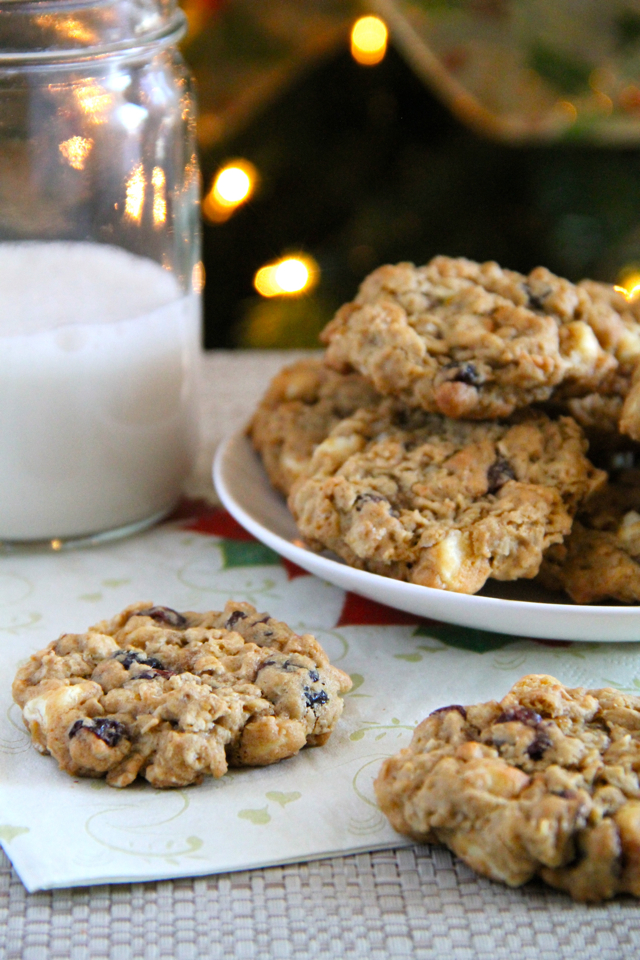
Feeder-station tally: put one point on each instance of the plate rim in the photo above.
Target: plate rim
(324, 567)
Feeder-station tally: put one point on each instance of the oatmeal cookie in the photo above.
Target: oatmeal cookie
(600, 559)
(595, 411)
(440, 502)
(303, 402)
(475, 341)
(619, 392)
(543, 784)
(174, 697)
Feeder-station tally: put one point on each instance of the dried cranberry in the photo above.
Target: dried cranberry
(468, 373)
(129, 657)
(233, 619)
(164, 615)
(315, 697)
(369, 498)
(78, 725)
(498, 473)
(540, 744)
(453, 706)
(109, 731)
(522, 715)
(534, 301)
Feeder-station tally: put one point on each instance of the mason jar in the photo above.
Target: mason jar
(100, 271)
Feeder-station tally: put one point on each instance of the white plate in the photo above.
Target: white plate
(520, 609)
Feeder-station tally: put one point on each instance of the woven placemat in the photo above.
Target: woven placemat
(416, 902)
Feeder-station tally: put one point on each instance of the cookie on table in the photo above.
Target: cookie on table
(303, 402)
(475, 341)
(173, 697)
(440, 502)
(542, 784)
(600, 559)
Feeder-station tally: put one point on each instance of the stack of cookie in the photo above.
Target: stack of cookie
(443, 438)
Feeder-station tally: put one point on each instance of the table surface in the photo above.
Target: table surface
(416, 902)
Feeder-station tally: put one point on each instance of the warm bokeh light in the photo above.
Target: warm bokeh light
(629, 285)
(67, 27)
(369, 40)
(291, 275)
(286, 277)
(76, 30)
(629, 98)
(134, 196)
(93, 100)
(75, 151)
(232, 186)
(198, 277)
(158, 181)
(566, 110)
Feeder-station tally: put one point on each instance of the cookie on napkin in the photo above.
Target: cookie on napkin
(173, 697)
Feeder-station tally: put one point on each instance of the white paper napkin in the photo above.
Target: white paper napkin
(60, 831)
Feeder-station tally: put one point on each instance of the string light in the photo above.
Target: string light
(232, 186)
(287, 277)
(630, 286)
(369, 40)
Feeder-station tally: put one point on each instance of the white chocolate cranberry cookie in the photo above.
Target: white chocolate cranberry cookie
(542, 784)
(600, 559)
(303, 402)
(173, 697)
(475, 341)
(440, 502)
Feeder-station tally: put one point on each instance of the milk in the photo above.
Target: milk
(98, 356)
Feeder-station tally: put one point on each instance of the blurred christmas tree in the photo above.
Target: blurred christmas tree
(520, 147)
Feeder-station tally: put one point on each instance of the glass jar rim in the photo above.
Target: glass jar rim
(163, 36)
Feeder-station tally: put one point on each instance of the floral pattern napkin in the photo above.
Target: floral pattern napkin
(61, 831)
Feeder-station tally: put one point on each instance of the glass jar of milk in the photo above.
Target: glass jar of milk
(100, 276)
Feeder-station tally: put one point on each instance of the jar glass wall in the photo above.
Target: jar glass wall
(100, 273)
